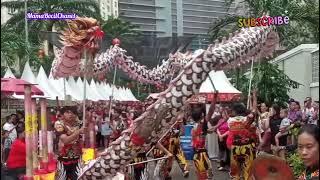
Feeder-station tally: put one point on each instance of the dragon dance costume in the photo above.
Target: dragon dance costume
(139, 168)
(172, 142)
(69, 156)
(310, 174)
(242, 143)
(201, 158)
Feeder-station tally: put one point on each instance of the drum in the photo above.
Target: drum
(269, 167)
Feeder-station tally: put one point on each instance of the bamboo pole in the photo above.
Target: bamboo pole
(142, 162)
(34, 134)
(249, 92)
(164, 135)
(44, 133)
(50, 146)
(84, 98)
(28, 131)
(113, 83)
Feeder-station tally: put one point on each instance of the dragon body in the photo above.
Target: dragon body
(240, 48)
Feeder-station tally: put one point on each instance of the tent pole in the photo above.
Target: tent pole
(214, 88)
(34, 119)
(64, 89)
(113, 83)
(44, 132)
(28, 132)
(249, 92)
(84, 95)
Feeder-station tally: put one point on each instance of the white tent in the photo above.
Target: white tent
(94, 86)
(42, 80)
(79, 84)
(59, 84)
(123, 94)
(94, 92)
(90, 93)
(221, 83)
(28, 75)
(74, 88)
(102, 90)
(130, 95)
(9, 74)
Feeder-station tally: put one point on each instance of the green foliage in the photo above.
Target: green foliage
(123, 30)
(303, 14)
(15, 51)
(272, 84)
(296, 163)
(3, 70)
(88, 8)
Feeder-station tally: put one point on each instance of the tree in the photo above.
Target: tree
(123, 30)
(88, 8)
(273, 85)
(303, 14)
(14, 51)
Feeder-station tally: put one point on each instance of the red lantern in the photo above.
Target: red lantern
(100, 77)
(41, 53)
(116, 41)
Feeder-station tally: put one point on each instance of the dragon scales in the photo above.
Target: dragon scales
(239, 48)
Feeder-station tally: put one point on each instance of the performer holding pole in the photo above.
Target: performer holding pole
(199, 132)
(68, 132)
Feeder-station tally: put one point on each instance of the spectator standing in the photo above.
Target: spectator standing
(10, 134)
(106, 131)
(274, 124)
(222, 131)
(16, 163)
(308, 112)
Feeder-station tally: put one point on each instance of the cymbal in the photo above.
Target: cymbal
(269, 167)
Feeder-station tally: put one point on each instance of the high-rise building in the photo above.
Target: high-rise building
(108, 8)
(5, 13)
(167, 18)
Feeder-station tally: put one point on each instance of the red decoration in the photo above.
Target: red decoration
(41, 53)
(98, 33)
(137, 140)
(100, 77)
(116, 41)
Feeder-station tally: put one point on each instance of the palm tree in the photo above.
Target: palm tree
(273, 84)
(88, 8)
(123, 30)
(303, 14)
(14, 51)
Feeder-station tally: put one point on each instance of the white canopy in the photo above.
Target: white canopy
(28, 75)
(221, 83)
(42, 81)
(131, 96)
(55, 87)
(9, 74)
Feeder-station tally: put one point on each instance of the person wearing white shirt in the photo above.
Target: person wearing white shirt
(10, 134)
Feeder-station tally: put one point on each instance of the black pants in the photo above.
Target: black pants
(100, 139)
(6, 154)
(14, 174)
(138, 172)
(224, 153)
(70, 170)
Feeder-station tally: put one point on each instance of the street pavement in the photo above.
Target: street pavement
(176, 173)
